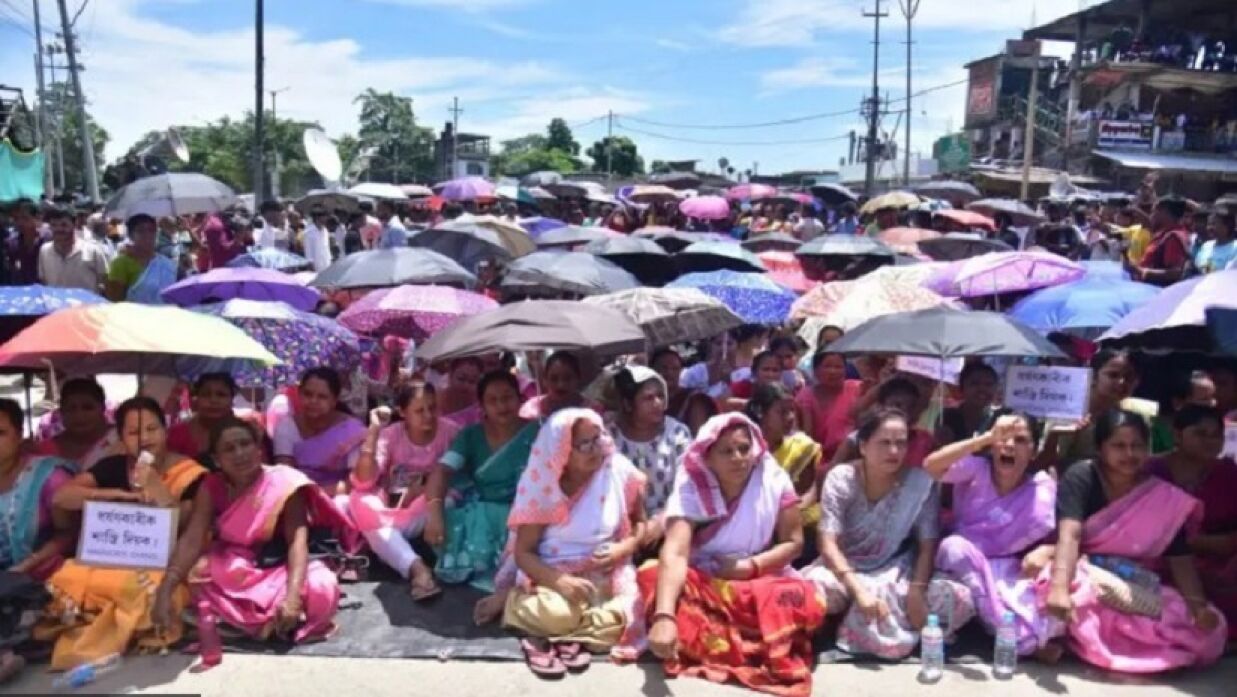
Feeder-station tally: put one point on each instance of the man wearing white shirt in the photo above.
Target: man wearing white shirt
(273, 234)
(66, 261)
(317, 246)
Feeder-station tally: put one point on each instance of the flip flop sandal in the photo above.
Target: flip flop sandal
(574, 658)
(544, 662)
(421, 594)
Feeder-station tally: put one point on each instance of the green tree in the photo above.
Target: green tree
(620, 151)
(533, 153)
(559, 137)
(405, 150)
(659, 167)
(60, 101)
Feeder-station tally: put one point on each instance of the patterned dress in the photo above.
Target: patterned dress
(658, 459)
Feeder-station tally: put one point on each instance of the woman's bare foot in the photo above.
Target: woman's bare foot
(488, 608)
(1051, 653)
(423, 585)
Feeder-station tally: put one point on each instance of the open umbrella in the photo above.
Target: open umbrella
(772, 242)
(543, 178)
(639, 256)
(269, 258)
(893, 199)
(750, 192)
(669, 239)
(752, 296)
(412, 312)
(170, 194)
(833, 194)
(973, 220)
(944, 332)
(956, 246)
(130, 338)
(650, 193)
(389, 192)
(537, 325)
(329, 201)
(571, 236)
(382, 268)
(1176, 319)
(705, 208)
(715, 256)
(906, 240)
(470, 242)
(222, 284)
(1084, 308)
(490, 222)
(671, 315)
(555, 273)
(1018, 211)
(845, 246)
(676, 180)
(467, 189)
(956, 192)
(786, 270)
(416, 190)
(300, 340)
(538, 226)
(21, 306)
(1003, 272)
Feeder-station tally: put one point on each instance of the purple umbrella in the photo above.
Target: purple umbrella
(1003, 272)
(706, 208)
(535, 227)
(1176, 319)
(467, 189)
(413, 312)
(250, 284)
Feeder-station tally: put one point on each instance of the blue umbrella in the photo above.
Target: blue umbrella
(1085, 308)
(37, 300)
(535, 227)
(752, 296)
(276, 259)
(1112, 270)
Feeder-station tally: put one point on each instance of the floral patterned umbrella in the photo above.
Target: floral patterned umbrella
(1003, 272)
(20, 306)
(847, 304)
(412, 312)
(300, 340)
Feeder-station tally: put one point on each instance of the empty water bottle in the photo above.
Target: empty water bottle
(1128, 570)
(1005, 652)
(87, 673)
(210, 645)
(931, 651)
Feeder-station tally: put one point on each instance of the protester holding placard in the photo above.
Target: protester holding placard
(1003, 514)
(1196, 466)
(257, 576)
(1113, 507)
(1114, 378)
(98, 611)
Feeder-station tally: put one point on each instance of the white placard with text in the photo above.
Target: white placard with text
(126, 535)
(1048, 392)
(947, 371)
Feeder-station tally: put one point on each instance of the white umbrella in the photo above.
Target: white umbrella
(171, 194)
(390, 192)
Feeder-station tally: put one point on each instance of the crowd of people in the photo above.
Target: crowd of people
(722, 506)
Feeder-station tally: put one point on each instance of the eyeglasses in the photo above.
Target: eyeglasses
(590, 446)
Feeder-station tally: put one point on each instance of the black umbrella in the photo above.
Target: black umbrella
(570, 236)
(537, 325)
(772, 242)
(833, 195)
(961, 245)
(703, 257)
(382, 268)
(639, 256)
(470, 242)
(956, 192)
(844, 246)
(671, 240)
(945, 333)
(555, 273)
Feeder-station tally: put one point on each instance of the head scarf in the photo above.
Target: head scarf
(539, 498)
(697, 495)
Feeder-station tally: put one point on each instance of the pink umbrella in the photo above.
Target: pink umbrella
(1003, 272)
(750, 192)
(706, 208)
(786, 270)
(412, 312)
(467, 189)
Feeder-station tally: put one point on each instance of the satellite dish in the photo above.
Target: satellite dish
(322, 156)
(177, 145)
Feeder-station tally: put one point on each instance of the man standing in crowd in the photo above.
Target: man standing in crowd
(24, 245)
(394, 234)
(317, 246)
(274, 232)
(69, 262)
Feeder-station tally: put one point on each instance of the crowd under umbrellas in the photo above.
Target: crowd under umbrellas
(471, 281)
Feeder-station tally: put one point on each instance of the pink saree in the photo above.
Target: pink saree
(248, 596)
(1138, 526)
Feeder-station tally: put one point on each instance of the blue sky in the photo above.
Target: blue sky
(515, 64)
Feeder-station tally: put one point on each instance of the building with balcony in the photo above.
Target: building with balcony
(1152, 87)
(465, 155)
(998, 90)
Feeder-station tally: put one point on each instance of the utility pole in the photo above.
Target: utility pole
(909, 8)
(259, 149)
(874, 102)
(1028, 139)
(455, 136)
(609, 144)
(92, 175)
(276, 189)
(40, 121)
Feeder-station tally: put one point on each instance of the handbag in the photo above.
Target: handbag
(1121, 595)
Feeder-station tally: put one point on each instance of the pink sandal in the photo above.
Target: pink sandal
(573, 657)
(542, 660)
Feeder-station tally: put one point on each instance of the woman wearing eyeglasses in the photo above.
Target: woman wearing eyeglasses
(577, 519)
(1003, 515)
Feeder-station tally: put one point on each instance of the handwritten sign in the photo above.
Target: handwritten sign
(943, 371)
(1052, 393)
(126, 535)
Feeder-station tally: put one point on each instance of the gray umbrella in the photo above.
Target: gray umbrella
(956, 192)
(844, 246)
(961, 245)
(545, 178)
(555, 273)
(833, 194)
(383, 268)
(171, 194)
(469, 242)
(639, 256)
(945, 333)
(1018, 211)
(537, 325)
(570, 236)
(772, 242)
(329, 201)
(703, 257)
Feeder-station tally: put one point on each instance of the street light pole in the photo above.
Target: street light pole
(259, 137)
(88, 163)
(909, 8)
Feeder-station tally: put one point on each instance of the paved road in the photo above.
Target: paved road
(259, 676)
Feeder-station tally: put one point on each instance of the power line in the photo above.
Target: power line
(662, 136)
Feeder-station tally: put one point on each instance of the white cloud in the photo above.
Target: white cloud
(814, 72)
(672, 45)
(798, 22)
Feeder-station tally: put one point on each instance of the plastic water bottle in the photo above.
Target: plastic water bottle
(87, 673)
(931, 651)
(1005, 652)
(210, 646)
(1128, 571)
